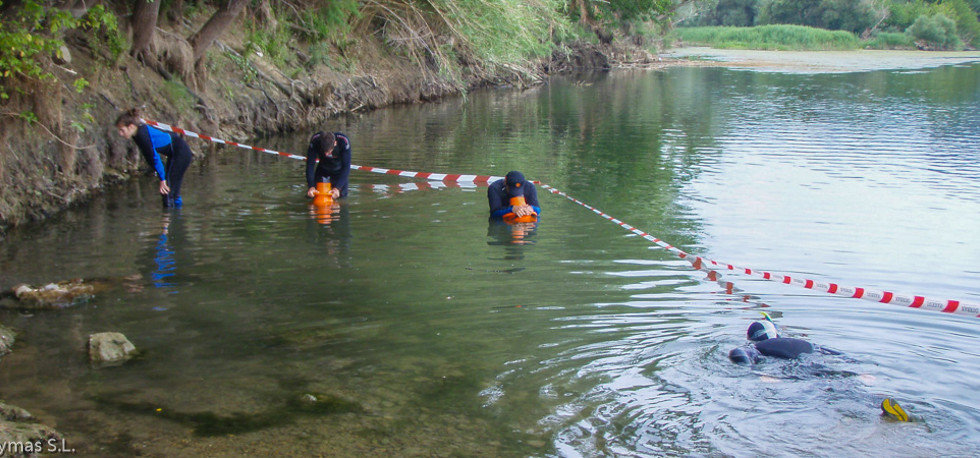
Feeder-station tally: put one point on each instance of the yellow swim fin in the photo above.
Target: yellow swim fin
(892, 409)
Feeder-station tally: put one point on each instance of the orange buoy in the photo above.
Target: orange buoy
(323, 195)
(511, 218)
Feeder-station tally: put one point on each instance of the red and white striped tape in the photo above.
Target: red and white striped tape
(884, 297)
(698, 262)
(449, 178)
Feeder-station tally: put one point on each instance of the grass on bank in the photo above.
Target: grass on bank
(786, 38)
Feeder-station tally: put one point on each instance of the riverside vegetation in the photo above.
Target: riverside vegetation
(835, 25)
(239, 68)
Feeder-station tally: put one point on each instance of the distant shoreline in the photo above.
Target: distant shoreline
(822, 61)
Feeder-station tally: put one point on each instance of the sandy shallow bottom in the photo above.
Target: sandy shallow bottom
(823, 61)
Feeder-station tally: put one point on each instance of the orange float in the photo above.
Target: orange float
(512, 218)
(324, 209)
(323, 195)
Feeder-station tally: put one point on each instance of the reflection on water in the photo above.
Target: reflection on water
(163, 259)
(396, 323)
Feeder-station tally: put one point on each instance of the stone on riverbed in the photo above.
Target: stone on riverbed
(6, 340)
(109, 348)
(20, 430)
(65, 293)
(53, 295)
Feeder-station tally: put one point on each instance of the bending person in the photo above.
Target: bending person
(505, 197)
(154, 143)
(332, 150)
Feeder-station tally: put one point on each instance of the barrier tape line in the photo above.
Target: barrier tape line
(698, 262)
(449, 178)
(701, 263)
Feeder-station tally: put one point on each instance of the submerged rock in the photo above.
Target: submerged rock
(109, 348)
(64, 294)
(22, 435)
(6, 340)
(53, 295)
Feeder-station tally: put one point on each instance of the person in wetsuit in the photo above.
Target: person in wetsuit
(513, 185)
(153, 144)
(766, 342)
(332, 150)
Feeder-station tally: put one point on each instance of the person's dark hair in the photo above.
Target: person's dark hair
(323, 141)
(129, 117)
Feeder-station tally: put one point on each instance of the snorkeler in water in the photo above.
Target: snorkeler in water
(767, 342)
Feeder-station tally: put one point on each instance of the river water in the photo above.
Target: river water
(404, 323)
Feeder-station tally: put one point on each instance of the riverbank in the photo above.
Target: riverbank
(70, 151)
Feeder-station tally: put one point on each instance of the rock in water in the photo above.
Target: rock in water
(109, 348)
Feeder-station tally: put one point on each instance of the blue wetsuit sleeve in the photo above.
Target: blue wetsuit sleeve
(148, 141)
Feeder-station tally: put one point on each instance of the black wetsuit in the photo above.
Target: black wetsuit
(154, 143)
(499, 198)
(333, 165)
(779, 347)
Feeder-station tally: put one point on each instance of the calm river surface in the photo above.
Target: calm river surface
(422, 329)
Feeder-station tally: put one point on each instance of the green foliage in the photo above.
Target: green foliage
(28, 117)
(500, 31)
(731, 13)
(30, 33)
(178, 95)
(773, 37)
(890, 40)
(858, 16)
(26, 39)
(249, 74)
(901, 14)
(966, 21)
(271, 42)
(850, 15)
(87, 118)
(333, 21)
(102, 32)
(497, 35)
(938, 31)
(643, 10)
(616, 12)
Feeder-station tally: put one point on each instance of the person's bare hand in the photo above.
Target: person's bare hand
(523, 210)
(311, 193)
(164, 189)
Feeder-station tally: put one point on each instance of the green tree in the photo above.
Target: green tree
(850, 15)
(31, 34)
(602, 15)
(732, 13)
(966, 21)
(937, 31)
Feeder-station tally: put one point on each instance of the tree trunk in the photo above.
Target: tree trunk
(215, 26)
(144, 24)
(583, 17)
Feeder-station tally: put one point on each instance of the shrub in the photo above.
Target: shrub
(890, 40)
(937, 31)
(776, 37)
